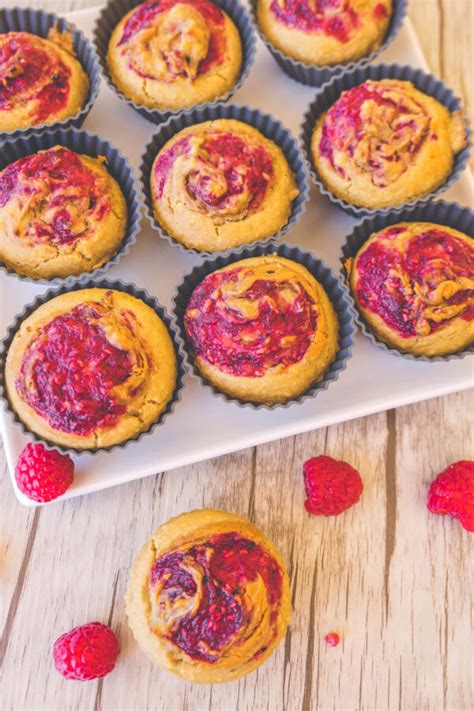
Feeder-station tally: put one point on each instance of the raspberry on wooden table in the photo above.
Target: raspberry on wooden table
(43, 474)
(86, 652)
(452, 492)
(332, 486)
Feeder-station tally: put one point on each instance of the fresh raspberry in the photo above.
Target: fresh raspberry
(452, 492)
(332, 639)
(86, 652)
(331, 486)
(43, 474)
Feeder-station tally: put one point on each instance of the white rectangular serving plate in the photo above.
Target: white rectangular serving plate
(202, 425)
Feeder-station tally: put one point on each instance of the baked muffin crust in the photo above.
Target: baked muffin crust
(90, 368)
(61, 214)
(208, 597)
(325, 33)
(220, 184)
(41, 80)
(383, 143)
(262, 329)
(414, 285)
(172, 54)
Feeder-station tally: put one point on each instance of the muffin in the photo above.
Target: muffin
(413, 283)
(384, 143)
(90, 368)
(221, 184)
(61, 214)
(208, 597)
(262, 329)
(324, 33)
(172, 54)
(41, 81)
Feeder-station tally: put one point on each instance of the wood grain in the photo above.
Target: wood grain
(392, 580)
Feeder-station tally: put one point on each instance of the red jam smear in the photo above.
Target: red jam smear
(344, 126)
(335, 18)
(60, 180)
(429, 259)
(246, 168)
(69, 370)
(380, 11)
(146, 12)
(280, 334)
(229, 562)
(31, 73)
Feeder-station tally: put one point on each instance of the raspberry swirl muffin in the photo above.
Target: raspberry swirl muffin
(384, 142)
(325, 32)
(41, 81)
(220, 184)
(414, 285)
(208, 597)
(262, 329)
(172, 54)
(61, 214)
(90, 368)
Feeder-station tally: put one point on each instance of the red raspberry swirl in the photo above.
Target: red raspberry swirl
(374, 128)
(70, 369)
(245, 325)
(222, 175)
(58, 196)
(189, 43)
(200, 596)
(31, 72)
(421, 288)
(336, 18)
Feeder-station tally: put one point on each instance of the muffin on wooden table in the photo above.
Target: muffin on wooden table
(208, 597)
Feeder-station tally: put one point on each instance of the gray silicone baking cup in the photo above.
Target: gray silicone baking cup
(266, 124)
(316, 76)
(335, 288)
(118, 167)
(113, 12)
(117, 285)
(331, 92)
(448, 214)
(39, 22)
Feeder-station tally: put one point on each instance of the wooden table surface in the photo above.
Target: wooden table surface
(395, 582)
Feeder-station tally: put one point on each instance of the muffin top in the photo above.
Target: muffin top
(221, 183)
(208, 597)
(325, 32)
(41, 81)
(255, 316)
(414, 282)
(170, 54)
(385, 142)
(90, 368)
(61, 213)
